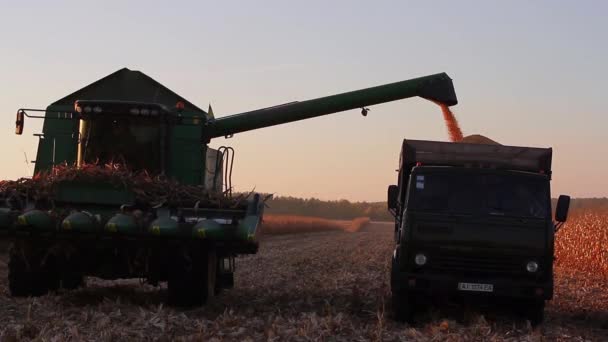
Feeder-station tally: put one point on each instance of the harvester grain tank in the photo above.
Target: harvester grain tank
(110, 224)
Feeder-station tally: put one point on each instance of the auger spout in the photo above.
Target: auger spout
(438, 88)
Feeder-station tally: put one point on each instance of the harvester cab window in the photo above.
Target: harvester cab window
(133, 142)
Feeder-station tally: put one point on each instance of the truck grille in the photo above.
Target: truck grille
(477, 265)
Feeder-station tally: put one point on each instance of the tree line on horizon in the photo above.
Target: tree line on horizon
(376, 211)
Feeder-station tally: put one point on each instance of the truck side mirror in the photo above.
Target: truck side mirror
(393, 192)
(19, 122)
(561, 211)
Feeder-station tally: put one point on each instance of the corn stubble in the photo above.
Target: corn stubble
(329, 285)
(294, 224)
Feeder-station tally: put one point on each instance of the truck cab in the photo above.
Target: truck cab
(473, 221)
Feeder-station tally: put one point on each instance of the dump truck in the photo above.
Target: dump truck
(473, 222)
(126, 186)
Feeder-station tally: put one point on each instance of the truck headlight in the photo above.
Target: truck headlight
(532, 266)
(420, 259)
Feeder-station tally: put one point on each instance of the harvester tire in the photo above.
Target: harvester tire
(27, 277)
(72, 281)
(224, 281)
(192, 280)
(19, 279)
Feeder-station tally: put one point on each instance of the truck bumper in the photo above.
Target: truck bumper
(448, 285)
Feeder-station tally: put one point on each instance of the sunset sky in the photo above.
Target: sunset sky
(526, 73)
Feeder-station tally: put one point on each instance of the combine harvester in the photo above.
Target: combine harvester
(170, 216)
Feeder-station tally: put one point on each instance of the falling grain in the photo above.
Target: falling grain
(451, 123)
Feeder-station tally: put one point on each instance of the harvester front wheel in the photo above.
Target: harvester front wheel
(29, 274)
(192, 278)
(72, 276)
(72, 281)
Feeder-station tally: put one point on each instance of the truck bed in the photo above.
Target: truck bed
(531, 159)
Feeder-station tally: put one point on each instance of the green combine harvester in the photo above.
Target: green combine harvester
(81, 225)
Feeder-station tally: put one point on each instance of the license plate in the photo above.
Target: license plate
(475, 287)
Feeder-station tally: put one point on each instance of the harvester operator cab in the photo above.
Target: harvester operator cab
(126, 133)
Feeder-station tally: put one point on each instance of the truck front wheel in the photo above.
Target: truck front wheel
(534, 311)
(403, 306)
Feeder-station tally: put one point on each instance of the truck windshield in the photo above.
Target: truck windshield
(133, 142)
(490, 194)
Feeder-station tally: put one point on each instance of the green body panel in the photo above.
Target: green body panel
(248, 228)
(209, 230)
(122, 223)
(186, 151)
(93, 193)
(37, 220)
(59, 141)
(80, 222)
(164, 226)
(6, 219)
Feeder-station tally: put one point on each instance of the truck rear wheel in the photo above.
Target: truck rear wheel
(192, 279)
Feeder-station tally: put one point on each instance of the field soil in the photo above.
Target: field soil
(313, 286)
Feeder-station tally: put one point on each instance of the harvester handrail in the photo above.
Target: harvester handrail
(25, 110)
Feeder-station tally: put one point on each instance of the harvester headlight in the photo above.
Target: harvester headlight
(420, 259)
(134, 111)
(145, 111)
(97, 109)
(532, 266)
(88, 109)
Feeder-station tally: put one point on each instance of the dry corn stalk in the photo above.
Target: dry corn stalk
(148, 189)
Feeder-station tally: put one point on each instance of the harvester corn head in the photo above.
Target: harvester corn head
(125, 186)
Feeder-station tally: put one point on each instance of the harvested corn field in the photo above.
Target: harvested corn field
(313, 286)
(293, 224)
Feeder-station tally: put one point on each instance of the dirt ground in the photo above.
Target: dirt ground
(316, 286)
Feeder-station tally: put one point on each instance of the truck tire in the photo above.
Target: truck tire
(27, 276)
(534, 311)
(403, 306)
(192, 279)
